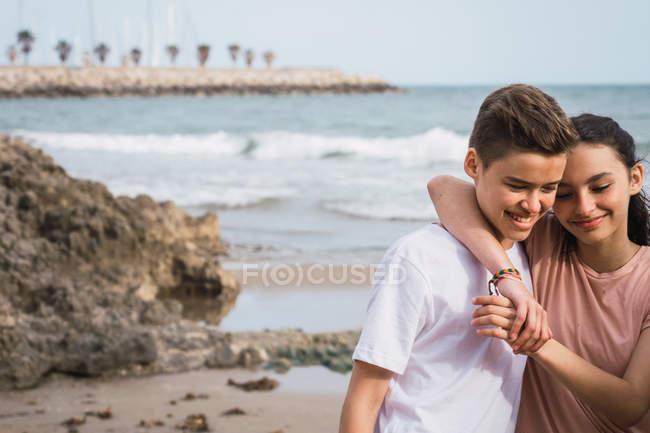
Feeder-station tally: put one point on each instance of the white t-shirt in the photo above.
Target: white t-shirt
(447, 378)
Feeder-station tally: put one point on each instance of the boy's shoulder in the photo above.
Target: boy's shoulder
(428, 245)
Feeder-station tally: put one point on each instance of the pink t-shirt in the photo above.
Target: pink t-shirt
(598, 316)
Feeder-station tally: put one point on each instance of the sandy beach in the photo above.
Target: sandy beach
(307, 400)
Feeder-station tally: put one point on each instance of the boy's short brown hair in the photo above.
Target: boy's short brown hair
(520, 117)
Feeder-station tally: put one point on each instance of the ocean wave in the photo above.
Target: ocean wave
(218, 144)
(382, 210)
(211, 198)
(436, 144)
(238, 203)
(236, 198)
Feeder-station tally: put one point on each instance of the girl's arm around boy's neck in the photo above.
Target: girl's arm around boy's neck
(459, 213)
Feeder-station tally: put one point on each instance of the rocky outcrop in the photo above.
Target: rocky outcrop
(186, 346)
(90, 285)
(85, 277)
(50, 81)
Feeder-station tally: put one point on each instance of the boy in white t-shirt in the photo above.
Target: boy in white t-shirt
(419, 365)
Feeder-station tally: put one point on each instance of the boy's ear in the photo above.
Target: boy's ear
(472, 163)
(636, 178)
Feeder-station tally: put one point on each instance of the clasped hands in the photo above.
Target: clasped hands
(515, 317)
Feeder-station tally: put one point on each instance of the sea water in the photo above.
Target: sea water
(296, 178)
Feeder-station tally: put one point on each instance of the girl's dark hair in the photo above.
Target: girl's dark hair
(604, 130)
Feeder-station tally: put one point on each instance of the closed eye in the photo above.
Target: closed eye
(601, 188)
(516, 187)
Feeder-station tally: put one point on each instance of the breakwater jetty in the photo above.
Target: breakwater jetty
(94, 81)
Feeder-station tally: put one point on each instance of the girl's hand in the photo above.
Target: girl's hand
(530, 320)
(500, 313)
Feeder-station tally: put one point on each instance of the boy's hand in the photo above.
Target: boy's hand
(530, 320)
(499, 311)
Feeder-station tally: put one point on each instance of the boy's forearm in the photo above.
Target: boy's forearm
(611, 395)
(458, 210)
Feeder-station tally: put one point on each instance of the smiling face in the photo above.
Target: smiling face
(593, 198)
(513, 192)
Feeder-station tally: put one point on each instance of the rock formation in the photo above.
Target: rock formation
(89, 281)
(81, 271)
(26, 81)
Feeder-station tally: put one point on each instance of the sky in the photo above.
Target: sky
(460, 42)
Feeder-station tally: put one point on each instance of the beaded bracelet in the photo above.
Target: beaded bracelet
(509, 273)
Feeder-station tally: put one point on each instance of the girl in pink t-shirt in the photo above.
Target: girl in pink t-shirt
(590, 263)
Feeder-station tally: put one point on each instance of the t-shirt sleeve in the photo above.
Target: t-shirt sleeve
(642, 289)
(397, 311)
(646, 322)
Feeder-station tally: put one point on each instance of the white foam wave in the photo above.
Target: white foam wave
(436, 144)
(211, 198)
(212, 144)
(239, 197)
(383, 210)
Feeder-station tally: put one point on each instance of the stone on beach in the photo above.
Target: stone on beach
(75, 420)
(194, 423)
(105, 413)
(263, 384)
(151, 423)
(234, 411)
(192, 396)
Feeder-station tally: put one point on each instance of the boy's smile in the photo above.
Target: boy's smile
(522, 221)
(514, 191)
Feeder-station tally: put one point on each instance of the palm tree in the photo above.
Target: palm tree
(268, 58)
(135, 56)
(25, 39)
(63, 48)
(234, 51)
(204, 52)
(102, 51)
(12, 53)
(249, 58)
(172, 50)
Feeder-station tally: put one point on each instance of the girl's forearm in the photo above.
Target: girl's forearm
(618, 399)
(458, 210)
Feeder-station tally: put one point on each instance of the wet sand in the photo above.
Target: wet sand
(311, 297)
(307, 400)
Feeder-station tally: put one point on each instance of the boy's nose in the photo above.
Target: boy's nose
(532, 204)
